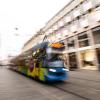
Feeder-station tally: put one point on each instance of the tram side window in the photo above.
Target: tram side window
(42, 53)
(54, 57)
(37, 64)
(21, 62)
(36, 54)
(27, 62)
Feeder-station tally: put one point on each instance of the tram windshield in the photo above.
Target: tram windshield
(54, 54)
(55, 64)
(54, 57)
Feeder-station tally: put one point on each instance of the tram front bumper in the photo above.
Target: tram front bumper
(51, 78)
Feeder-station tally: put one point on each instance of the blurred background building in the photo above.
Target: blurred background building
(37, 38)
(78, 26)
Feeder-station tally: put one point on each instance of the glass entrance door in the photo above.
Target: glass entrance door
(98, 57)
(73, 61)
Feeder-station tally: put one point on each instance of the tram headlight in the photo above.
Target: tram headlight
(65, 69)
(52, 70)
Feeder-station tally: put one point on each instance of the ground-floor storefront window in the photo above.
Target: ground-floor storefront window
(96, 35)
(88, 59)
(73, 61)
(98, 57)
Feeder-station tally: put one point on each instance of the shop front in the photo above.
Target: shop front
(73, 61)
(87, 58)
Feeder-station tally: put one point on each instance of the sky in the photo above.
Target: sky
(28, 16)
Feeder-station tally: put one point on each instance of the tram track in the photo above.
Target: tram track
(70, 92)
(72, 88)
(83, 83)
(85, 79)
(81, 91)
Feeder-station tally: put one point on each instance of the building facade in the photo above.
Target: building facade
(37, 38)
(78, 26)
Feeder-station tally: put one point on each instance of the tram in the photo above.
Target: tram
(43, 62)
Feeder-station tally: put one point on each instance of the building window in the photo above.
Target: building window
(83, 40)
(61, 23)
(71, 43)
(67, 18)
(95, 2)
(87, 5)
(65, 32)
(96, 35)
(97, 15)
(83, 43)
(83, 36)
(74, 26)
(55, 27)
(58, 34)
(50, 30)
(77, 12)
(84, 21)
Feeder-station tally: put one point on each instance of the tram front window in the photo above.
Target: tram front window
(55, 63)
(54, 54)
(54, 58)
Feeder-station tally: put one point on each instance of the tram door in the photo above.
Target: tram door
(36, 68)
(72, 61)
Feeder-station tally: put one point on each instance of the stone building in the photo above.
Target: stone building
(78, 26)
(37, 38)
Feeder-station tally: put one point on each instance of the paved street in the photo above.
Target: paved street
(82, 85)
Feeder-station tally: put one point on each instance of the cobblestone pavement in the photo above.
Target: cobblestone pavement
(82, 85)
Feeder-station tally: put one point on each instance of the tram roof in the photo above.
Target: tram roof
(40, 46)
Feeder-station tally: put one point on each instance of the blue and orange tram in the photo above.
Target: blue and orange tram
(43, 62)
